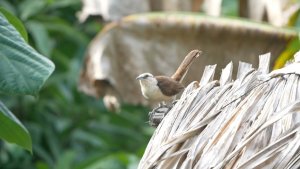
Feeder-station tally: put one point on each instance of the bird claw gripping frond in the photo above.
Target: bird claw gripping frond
(157, 114)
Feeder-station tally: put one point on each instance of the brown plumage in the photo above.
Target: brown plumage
(171, 87)
(163, 88)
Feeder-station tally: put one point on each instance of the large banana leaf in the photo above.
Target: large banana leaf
(23, 70)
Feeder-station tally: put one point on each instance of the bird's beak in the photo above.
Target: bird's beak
(139, 77)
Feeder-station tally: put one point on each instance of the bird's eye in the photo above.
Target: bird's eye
(146, 76)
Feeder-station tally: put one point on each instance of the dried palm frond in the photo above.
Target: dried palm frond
(252, 122)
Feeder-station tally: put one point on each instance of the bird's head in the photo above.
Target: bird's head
(147, 79)
(145, 76)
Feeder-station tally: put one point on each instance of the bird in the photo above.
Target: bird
(163, 89)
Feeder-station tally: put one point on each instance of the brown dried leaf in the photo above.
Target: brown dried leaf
(157, 43)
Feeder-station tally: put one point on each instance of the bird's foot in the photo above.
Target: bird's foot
(174, 102)
(158, 113)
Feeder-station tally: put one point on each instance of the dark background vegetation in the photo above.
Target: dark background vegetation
(68, 128)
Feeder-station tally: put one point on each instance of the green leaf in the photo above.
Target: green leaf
(66, 30)
(66, 160)
(23, 70)
(41, 38)
(63, 3)
(112, 162)
(12, 130)
(15, 22)
(287, 54)
(30, 8)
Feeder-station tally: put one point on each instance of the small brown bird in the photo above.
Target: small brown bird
(163, 88)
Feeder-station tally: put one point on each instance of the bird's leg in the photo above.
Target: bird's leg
(162, 104)
(159, 104)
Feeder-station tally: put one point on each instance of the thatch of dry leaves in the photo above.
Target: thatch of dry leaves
(251, 122)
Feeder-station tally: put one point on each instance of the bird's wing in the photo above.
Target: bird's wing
(169, 86)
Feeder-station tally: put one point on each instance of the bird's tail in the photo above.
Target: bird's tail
(185, 64)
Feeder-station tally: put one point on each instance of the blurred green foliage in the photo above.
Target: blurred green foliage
(69, 130)
(293, 46)
(230, 8)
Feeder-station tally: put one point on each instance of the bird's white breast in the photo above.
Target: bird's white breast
(151, 91)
